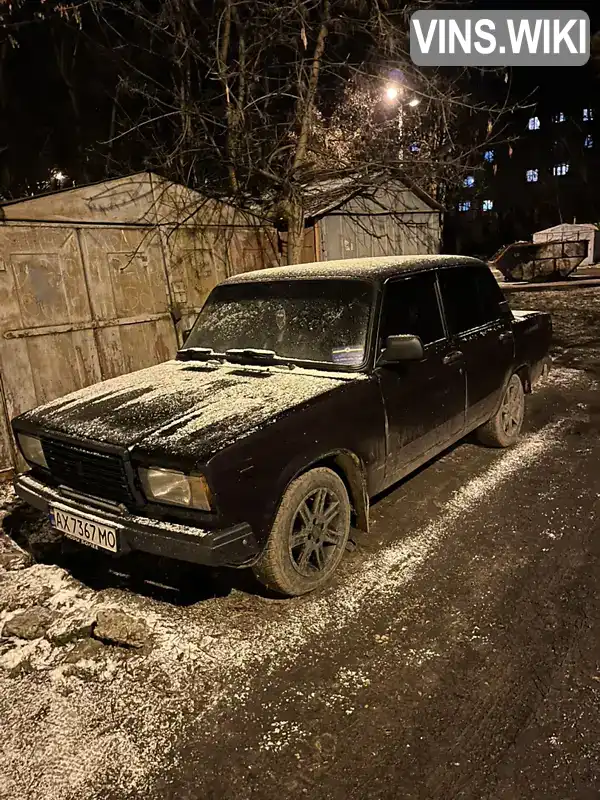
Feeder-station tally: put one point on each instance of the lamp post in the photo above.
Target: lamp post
(394, 93)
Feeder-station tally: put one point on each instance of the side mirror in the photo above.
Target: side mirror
(402, 348)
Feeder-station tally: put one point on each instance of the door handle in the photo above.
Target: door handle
(504, 337)
(453, 357)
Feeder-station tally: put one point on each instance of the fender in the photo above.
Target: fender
(352, 471)
(523, 372)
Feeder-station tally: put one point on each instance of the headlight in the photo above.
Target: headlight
(31, 447)
(177, 488)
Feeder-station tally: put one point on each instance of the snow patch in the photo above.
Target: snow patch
(565, 378)
(7, 495)
(357, 268)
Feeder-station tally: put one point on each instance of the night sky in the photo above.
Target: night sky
(38, 132)
(552, 80)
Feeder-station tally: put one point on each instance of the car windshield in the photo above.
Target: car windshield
(302, 320)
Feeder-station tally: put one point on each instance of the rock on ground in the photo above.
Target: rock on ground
(120, 628)
(84, 650)
(14, 559)
(78, 625)
(30, 624)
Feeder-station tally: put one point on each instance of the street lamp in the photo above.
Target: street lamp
(392, 93)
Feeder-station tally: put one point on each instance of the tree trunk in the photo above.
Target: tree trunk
(295, 237)
(222, 64)
(306, 104)
(66, 64)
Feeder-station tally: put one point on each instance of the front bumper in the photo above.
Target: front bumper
(231, 547)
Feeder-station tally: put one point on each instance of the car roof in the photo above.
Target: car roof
(371, 269)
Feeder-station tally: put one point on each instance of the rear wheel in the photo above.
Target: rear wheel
(309, 535)
(504, 428)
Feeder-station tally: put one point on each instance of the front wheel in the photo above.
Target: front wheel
(504, 428)
(309, 535)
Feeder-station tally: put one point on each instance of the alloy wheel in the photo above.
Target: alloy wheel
(317, 532)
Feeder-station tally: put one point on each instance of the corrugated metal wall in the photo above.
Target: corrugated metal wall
(390, 223)
(98, 281)
(82, 303)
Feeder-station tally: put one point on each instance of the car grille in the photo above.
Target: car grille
(89, 471)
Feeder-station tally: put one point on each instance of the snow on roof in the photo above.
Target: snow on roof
(321, 197)
(143, 198)
(567, 226)
(327, 195)
(378, 268)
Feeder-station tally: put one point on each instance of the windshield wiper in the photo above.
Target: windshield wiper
(198, 354)
(251, 355)
(236, 355)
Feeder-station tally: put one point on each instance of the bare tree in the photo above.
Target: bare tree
(40, 66)
(264, 104)
(18, 14)
(257, 102)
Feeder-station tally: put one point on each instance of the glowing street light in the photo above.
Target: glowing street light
(392, 93)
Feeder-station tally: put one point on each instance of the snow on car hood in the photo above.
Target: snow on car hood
(166, 405)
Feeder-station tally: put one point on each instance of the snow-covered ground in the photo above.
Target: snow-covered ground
(575, 320)
(98, 682)
(82, 704)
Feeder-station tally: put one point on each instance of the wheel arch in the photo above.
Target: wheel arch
(351, 470)
(524, 373)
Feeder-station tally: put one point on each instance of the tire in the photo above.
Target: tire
(309, 535)
(504, 428)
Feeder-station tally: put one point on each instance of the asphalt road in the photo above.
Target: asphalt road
(456, 655)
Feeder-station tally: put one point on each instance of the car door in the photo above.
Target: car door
(425, 400)
(480, 325)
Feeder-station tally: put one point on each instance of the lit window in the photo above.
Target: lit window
(534, 124)
(415, 148)
(589, 141)
(489, 156)
(469, 181)
(465, 205)
(488, 205)
(532, 175)
(561, 169)
(560, 117)
(588, 114)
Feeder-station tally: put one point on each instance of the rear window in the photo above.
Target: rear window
(471, 297)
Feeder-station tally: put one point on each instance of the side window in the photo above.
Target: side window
(471, 297)
(410, 306)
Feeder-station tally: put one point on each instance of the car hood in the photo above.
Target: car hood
(177, 405)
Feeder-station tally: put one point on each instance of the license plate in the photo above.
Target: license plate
(84, 529)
